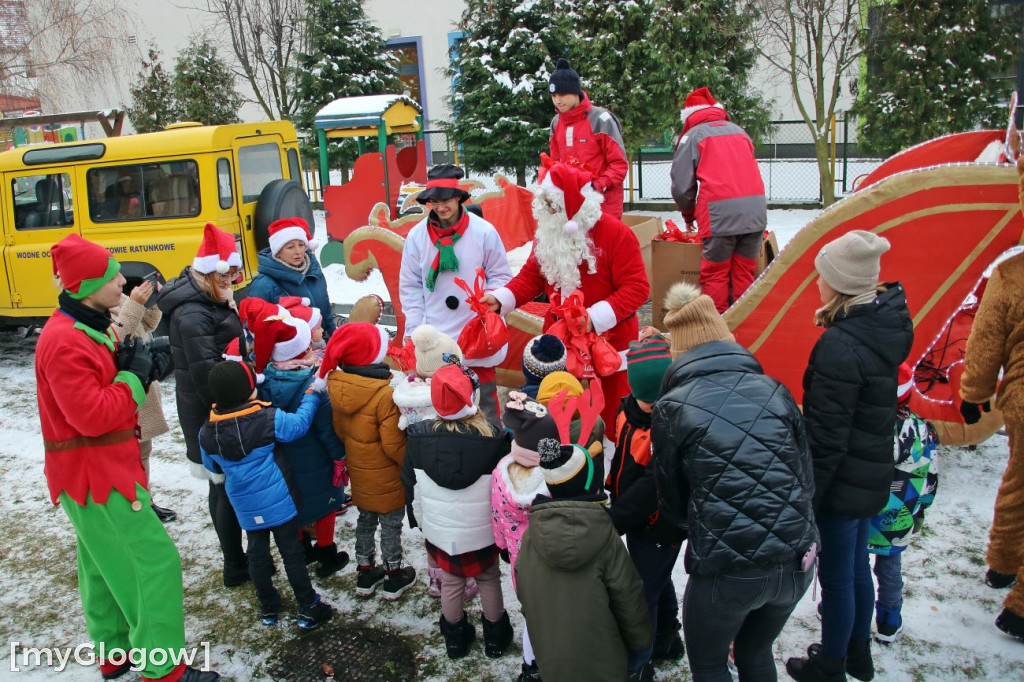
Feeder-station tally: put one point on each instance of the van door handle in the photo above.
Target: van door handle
(248, 223)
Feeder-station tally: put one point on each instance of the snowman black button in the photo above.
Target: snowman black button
(452, 302)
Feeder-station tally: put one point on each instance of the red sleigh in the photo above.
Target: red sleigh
(948, 218)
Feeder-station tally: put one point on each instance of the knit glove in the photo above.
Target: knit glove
(134, 356)
(340, 473)
(163, 362)
(972, 411)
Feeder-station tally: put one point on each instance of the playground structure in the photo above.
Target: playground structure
(380, 176)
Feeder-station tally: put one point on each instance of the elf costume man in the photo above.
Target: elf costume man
(576, 246)
(89, 394)
(451, 242)
(717, 183)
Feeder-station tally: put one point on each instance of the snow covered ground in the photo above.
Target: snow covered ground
(948, 612)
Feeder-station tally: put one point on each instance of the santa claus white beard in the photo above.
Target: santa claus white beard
(559, 253)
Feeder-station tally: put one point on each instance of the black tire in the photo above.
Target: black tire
(280, 199)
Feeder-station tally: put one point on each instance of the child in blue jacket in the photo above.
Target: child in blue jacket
(239, 442)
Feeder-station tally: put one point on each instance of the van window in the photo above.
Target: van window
(294, 169)
(258, 165)
(42, 201)
(146, 190)
(224, 194)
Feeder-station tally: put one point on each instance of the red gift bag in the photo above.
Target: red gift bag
(404, 356)
(486, 334)
(588, 354)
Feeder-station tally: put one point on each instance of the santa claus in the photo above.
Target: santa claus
(576, 247)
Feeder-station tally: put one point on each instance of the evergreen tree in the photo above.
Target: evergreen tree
(619, 70)
(501, 109)
(347, 57)
(703, 43)
(153, 104)
(932, 70)
(204, 86)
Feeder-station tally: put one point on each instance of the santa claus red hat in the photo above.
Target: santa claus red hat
(302, 308)
(277, 336)
(353, 344)
(571, 183)
(285, 230)
(82, 266)
(905, 381)
(217, 252)
(454, 392)
(701, 98)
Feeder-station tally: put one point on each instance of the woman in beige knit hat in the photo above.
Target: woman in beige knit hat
(850, 412)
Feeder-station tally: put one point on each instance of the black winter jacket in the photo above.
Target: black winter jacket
(850, 404)
(200, 330)
(631, 484)
(731, 462)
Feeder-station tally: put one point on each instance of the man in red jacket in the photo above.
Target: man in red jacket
(89, 393)
(576, 246)
(716, 182)
(589, 135)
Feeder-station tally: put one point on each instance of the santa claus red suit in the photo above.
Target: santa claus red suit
(593, 253)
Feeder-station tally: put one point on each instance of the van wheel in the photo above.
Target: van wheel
(280, 199)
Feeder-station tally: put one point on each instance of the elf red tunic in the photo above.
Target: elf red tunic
(612, 294)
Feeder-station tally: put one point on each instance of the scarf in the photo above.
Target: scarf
(302, 269)
(90, 317)
(444, 240)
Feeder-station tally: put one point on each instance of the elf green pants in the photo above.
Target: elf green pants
(129, 576)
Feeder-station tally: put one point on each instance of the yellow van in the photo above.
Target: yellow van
(144, 197)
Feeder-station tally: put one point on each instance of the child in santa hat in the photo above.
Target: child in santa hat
(288, 267)
(285, 361)
(515, 484)
(366, 419)
(239, 445)
(447, 477)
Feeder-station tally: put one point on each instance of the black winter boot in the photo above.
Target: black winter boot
(529, 673)
(310, 548)
(998, 581)
(193, 675)
(314, 615)
(330, 560)
(858, 660)
(817, 669)
(1010, 623)
(668, 646)
(457, 636)
(497, 636)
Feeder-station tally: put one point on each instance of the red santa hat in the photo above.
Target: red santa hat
(82, 266)
(217, 252)
(454, 392)
(302, 308)
(232, 350)
(277, 336)
(286, 229)
(353, 344)
(904, 381)
(701, 98)
(571, 183)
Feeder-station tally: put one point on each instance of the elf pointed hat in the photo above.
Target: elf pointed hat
(353, 344)
(701, 98)
(285, 230)
(302, 308)
(573, 185)
(82, 266)
(277, 336)
(217, 252)
(905, 382)
(232, 351)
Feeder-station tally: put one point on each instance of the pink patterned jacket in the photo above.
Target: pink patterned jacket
(510, 507)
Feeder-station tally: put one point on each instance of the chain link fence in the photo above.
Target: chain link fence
(786, 159)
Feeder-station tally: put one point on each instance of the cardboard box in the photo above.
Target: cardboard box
(680, 262)
(646, 228)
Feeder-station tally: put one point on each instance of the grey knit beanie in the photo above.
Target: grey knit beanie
(851, 263)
